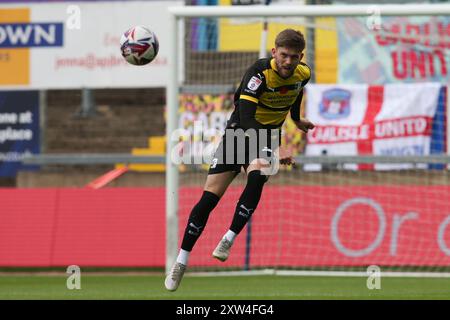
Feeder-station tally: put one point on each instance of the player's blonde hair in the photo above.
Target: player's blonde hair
(290, 38)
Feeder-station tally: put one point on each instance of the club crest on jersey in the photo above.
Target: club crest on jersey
(254, 83)
(335, 104)
(298, 86)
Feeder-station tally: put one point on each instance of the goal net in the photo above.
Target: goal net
(371, 184)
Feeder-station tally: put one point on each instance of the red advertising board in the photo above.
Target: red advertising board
(85, 227)
(293, 226)
(336, 226)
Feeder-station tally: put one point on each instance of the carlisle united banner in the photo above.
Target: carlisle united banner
(406, 49)
(395, 119)
(19, 129)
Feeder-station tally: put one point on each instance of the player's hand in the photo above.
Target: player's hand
(285, 156)
(304, 125)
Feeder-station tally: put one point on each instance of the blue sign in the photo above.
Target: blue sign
(26, 35)
(19, 130)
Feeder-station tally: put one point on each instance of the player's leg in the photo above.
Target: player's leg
(215, 186)
(245, 207)
(251, 195)
(259, 167)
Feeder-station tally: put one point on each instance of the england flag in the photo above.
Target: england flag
(391, 120)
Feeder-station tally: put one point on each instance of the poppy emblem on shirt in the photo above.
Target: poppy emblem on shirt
(283, 90)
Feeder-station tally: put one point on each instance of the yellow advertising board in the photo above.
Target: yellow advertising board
(14, 62)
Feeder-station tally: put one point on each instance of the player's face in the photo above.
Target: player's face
(286, 59)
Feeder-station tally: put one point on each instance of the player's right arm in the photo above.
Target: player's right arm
(252, 87)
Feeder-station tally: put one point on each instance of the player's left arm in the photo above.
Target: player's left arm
(302, 123)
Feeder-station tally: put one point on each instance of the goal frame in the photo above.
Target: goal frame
(177, 14)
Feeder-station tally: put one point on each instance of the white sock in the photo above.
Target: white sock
(230, 235)
(183, 257)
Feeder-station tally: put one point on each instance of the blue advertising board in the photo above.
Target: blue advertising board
(19, 130)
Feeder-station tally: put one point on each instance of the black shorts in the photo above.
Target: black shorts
(238, 149)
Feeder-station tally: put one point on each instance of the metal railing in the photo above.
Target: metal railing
(114, 158)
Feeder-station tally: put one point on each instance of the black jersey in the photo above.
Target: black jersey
(274, 96)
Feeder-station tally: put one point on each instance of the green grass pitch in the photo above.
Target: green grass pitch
(128, 286)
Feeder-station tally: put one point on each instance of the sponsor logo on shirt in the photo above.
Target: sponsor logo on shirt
(254, 83)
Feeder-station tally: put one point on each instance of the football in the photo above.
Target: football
(139, 45)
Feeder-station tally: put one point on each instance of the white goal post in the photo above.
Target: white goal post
(179, 14)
